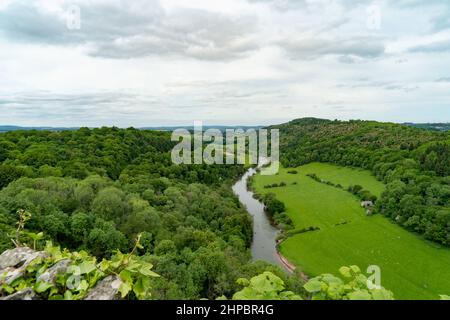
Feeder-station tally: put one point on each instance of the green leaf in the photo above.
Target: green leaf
(126, 276)
(243, 282)
(345, 271)
(17, 282)
(330, 279)
(104, 265)
(7, 289)
(289, 295)
(141, 288)
(68, 295)
(83, 285)
(87, 267)
(359, 295)
(382, 294)
(145, 270)
(313, 285)
(319, 296)
(42, 286)
(73, 269)
(124, 289)
(355, 269)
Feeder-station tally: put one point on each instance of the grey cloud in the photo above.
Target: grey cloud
(142, 28)
(440, 22)
(366, 83)
(42, 105)
(120, 107)
(419, 3)
(286, 5)
(346, 59)
(443, 79)
(312, 48)
(439, 46)
(282, 5)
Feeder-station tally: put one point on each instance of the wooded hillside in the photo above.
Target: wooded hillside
(414, 163)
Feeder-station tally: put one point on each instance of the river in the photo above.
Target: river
(264, 234)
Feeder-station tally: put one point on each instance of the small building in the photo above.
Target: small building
(367, 204)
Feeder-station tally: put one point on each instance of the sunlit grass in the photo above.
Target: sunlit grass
(411, 267)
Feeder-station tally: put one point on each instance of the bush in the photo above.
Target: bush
(354, 287)
(266, 286)
(273, 205)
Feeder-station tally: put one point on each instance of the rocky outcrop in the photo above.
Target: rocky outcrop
(14, 257)
(50, 274)
(27, 294)
(107, 289)
(14, 262)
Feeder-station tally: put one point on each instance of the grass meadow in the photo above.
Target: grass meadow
(411, 267)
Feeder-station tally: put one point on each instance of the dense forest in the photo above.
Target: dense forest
(96, 189)
(414, 163)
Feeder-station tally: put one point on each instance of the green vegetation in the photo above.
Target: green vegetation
(411, 267)
(413, 163)
(266, 286)
(95, 190)
(78, 271)
(355, 286)
(56, 274)
(135, 273)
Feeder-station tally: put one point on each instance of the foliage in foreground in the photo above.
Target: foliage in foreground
(266, 286)
(354, 286)
(82, 274)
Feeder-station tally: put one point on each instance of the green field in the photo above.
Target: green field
(411, 267)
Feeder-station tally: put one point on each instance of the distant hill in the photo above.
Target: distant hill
(431, 126)
(6, 128)
(191, 128)
(353, 143)
(427, 126)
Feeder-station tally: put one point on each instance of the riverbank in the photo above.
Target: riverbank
(265, 234)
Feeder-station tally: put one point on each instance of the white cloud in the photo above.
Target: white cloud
(236, 61)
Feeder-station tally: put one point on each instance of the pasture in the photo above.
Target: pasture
(410, 266)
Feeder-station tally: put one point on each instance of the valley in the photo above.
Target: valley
(206, 236)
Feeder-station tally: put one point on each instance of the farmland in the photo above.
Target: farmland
(410, 266)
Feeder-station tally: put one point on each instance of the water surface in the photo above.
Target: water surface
(264, 234)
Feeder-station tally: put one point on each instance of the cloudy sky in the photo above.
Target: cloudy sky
(170, 62)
